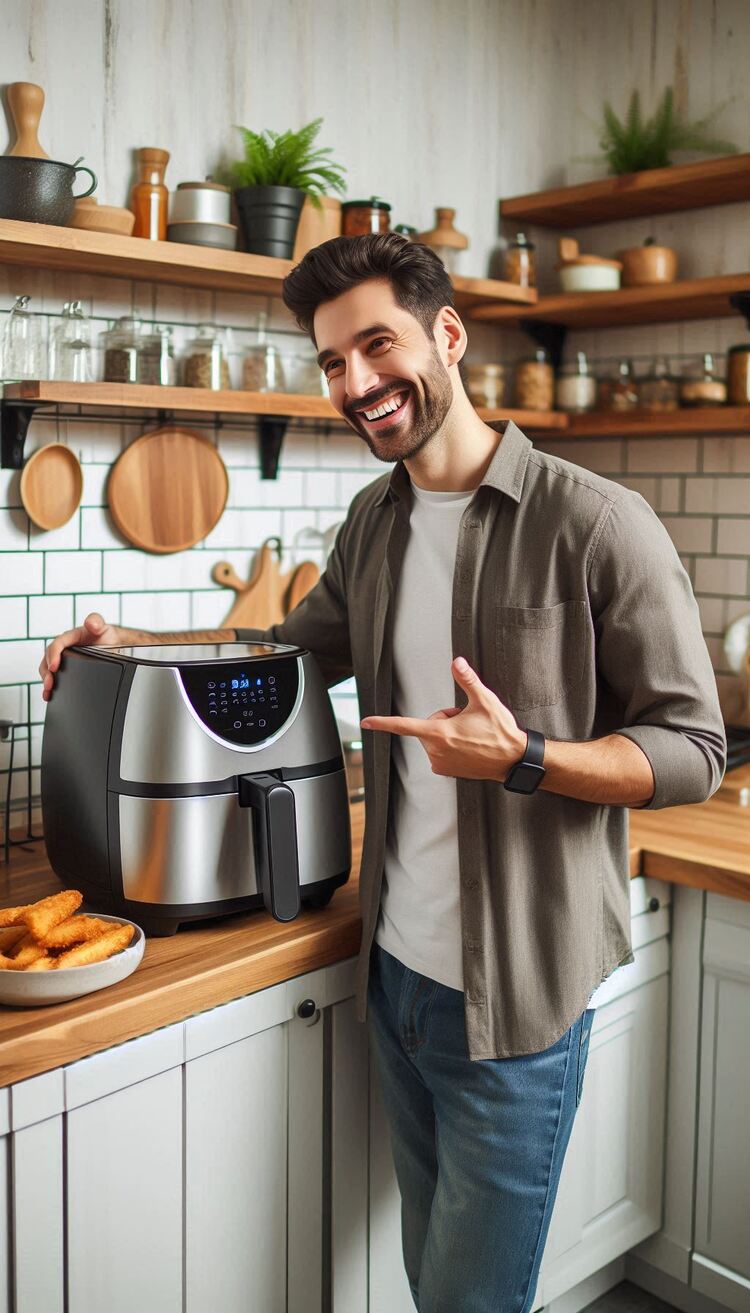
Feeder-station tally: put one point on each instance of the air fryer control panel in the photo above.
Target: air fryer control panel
(244, 703)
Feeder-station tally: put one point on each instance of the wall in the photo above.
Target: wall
(426, 103)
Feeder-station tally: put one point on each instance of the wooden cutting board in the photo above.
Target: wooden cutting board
(167, 490)
(268, 595)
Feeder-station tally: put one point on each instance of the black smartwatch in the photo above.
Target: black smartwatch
(527, 774)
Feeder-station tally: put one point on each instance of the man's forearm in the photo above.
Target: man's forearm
(613, 771)
(143, 637)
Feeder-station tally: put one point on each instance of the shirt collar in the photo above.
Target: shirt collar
(505, 471)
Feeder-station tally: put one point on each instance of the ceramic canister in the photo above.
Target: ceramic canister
(200, 202)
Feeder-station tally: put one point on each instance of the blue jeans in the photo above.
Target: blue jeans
(478, 1146)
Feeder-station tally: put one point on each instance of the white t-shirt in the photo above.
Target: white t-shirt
(420, 912)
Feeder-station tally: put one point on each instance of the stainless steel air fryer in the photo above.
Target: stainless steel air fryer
(191, 781)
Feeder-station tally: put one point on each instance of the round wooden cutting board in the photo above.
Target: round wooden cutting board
(167, 490)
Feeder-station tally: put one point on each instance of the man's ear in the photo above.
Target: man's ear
(450, 335)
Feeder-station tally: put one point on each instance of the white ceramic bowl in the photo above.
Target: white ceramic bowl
(589, 278)
(37, 989)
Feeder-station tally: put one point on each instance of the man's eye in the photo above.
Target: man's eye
(380, 341)
(331, 367)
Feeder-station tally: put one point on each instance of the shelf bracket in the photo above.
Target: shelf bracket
(741, 303)
(550, 336)
(272, 430)
(15, 417)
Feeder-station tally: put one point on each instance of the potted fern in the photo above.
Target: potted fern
(278, 172)
(638, 143)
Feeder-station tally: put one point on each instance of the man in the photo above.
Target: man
(530, 663)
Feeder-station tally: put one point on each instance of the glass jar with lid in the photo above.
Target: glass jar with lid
(121, 351)
(535, 382)
(738, 374)
(262, 369)
(620, 391)
(486, 385)
(361, 217)
(70, 346)
(156, 363)
(519, 264)
(22, 354)
(206, 364)
(575, 386)
(704, 388)
(659, 390)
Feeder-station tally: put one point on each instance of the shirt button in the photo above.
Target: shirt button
(473, 997)
(472, 882)
(473, 945)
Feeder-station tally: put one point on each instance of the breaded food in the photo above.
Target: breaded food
(12, 915)
(24, 953)
(11, 936)
(97, 950)
(75, 930)
(45, 963)
(43, 916)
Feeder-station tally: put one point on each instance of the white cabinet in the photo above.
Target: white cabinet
(721, 1259)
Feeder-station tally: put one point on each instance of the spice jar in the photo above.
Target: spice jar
(149, 199)
(445, 240)
(519, 265)
(262, 370)
(659, 391)
(121, 351)
(156, 364)
(70, 346)
(486, 385)
(535, 382)
(706, 389)
(22, 354)
(206, 364)
(621, 391)
(575, 388)
(738, 374)
(361, 217)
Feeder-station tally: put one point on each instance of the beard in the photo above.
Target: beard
(424, 416)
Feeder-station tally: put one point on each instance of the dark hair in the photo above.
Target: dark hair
(417, 275)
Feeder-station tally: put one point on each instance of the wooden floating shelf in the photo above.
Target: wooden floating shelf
(694, 298)
(75, 250)
(654, 191)
(715, 421)
(141, 396)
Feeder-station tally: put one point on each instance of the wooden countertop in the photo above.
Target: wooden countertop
(706, 846)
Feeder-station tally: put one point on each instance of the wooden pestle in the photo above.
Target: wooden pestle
(26, 102)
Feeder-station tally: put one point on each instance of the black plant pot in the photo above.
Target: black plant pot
(269, 217)
(39, 191)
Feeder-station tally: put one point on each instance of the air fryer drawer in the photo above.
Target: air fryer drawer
(200, 850)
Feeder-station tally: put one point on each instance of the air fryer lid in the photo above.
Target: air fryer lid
(183, 654)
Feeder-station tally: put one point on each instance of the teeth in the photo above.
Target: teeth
(385, 409)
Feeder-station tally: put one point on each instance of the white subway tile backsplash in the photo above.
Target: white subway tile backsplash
(604, 457)
(244, 529)
(13, 700)
(712, 613)
(726, 455)
(660, 455)
(209, 609)
(97, 441)
(689, 533)
(349, 484)
(733, 537)
(646, 486)
(728, 575)
(21, 573)
(161, 612)
(733, 609)
(98, 529)
(19, 660)
(14, 531)
(725, 496)
(670, 491)
(320, 488)
(13, 617)
(343, 448)
(49, 616)
(106, 605)
(72, 572)
(95, 484)
(10, 488)
(247, 488)
(65, 539)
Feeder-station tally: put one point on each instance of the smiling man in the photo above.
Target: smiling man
(530, 663)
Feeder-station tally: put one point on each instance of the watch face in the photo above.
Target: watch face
(524, 778)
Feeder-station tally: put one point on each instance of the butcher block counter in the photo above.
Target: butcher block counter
(706, 846)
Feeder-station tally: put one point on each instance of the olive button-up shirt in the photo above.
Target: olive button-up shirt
(571, 603)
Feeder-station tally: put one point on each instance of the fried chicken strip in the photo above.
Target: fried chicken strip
(96, 950)
(75, 930)
(43, 916)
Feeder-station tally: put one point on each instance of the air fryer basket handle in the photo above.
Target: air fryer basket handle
(276, 857)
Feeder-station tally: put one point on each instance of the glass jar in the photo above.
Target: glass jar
(738, 374)
(121, 351)
(70, 346)
(22, 348)
(535, 382)
(659, 390)
(156, 363)
(149, 199)
(486, 385)
(704, 389)
(575, 387)
(406, 230)
(262, 369)
(301, 375)
(445, 239)
(519, 265)
(206, 364)
(620, 392)
(361, 217)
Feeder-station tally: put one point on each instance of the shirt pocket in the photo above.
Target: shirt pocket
(540, 652)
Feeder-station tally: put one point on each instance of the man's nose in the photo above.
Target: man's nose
(361, 378)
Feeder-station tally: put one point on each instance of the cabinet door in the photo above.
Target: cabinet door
(721, 1263)
(610, 1191)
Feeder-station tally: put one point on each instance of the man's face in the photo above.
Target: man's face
(375, 354)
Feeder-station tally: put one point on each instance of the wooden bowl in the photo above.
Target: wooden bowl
(92, 216)
(52, 485)
(643, 266)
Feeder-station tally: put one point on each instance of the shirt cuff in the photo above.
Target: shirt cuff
(683, 772)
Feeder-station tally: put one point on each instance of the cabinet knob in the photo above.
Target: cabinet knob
(653, 904)
(307, 1009)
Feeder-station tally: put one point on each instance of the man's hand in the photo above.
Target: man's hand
(93, 630)
(480, 741)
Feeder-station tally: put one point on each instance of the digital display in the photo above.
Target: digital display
(243, 704)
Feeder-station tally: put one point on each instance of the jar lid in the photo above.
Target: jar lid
(202, 186)
(405, 229)
(522, 240)
(540, 356)
(741, 346)
(374, 203)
